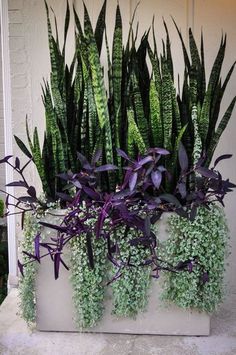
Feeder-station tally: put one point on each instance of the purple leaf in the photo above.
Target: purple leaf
(205, 277)
(201, 160)
(133, 180)
(113, 260)
(7, 201)
(64, 197)
(200, 195)
(151, 205)
(64, 264)
(182, 189)
(156, 178)
(22, 220)
(65, 176)
(147, 262)
(190, 266)
(37, 246)
(102, 216)
(141, 241)
(161, 168)
(160, 151)
(207, 173)
(121, 194)
(97, 155)
(84, 162)
(116, 277)
(126, 178)
(21, 268)
(94, 195)
(122, 154)
(155, 218)
(183, 158)
(90, 249)
(147, 226)
(193, 213)
(30, 256)
(77, 184)
(31, 191)
(145, 160)
(17, 183)
(61, 229)
(27, 199)
(57, 259)
(181, 212)
(49, 249)
(222, 157)
(182, 265)
(76, 199)
(17, 163)
(4, 160)
(171, 199)
(106, 167)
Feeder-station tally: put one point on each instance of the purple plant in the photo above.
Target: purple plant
(29, 201)
(138, 203)
(199, 186)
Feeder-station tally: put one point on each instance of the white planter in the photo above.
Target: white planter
(55, 310)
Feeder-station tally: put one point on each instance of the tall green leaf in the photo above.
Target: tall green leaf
(166, 105)
(155, 116)
(117, 74)
(220, 129)
(100, 27)
(134, 133)
(139, 110)
(98, 85)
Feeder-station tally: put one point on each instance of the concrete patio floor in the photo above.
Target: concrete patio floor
(17, 339)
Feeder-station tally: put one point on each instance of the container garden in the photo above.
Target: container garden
(102, 162)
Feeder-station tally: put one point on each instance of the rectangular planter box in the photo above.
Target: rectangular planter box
(55, 310)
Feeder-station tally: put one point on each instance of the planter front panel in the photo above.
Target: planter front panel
(55, 310)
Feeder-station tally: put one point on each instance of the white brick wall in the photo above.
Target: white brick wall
(20, 79)
(20, 70)
(2, 153)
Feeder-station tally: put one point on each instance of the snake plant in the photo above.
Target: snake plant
(139, 109)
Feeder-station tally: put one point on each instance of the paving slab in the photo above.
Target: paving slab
(17, 339)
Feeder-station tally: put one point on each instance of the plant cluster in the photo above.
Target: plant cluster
(27, 283)
(138, 203)
(130, 290)
(139, 110)
(87, 283)
(203, 243)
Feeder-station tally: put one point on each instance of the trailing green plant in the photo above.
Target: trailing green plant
(2, 207)
(87, 283)
(130, 290)
(202, 244)
(27, 281)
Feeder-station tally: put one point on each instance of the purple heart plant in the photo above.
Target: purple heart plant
(137, 203)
